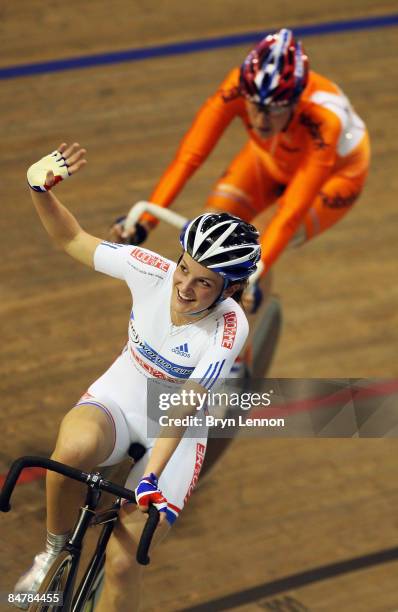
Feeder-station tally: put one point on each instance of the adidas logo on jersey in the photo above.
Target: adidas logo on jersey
(181, 350)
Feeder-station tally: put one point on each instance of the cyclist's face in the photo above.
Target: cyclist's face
(194, 286)
(268, 121)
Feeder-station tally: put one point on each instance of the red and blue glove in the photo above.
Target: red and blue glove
(148, 493)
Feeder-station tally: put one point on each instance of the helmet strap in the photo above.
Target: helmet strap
(219, 299)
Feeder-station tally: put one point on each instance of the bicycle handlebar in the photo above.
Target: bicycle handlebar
(173, 218)
(164, 214)
(90, 479)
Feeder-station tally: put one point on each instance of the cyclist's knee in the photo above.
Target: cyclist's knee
(83, 440)
(121, 564)
(214, 204)
(230, 199)
(78, 453)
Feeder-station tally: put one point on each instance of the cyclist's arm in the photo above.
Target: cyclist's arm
(208, 126)
(213, 367)
(170, 436)
(302, 189)
(140, 268)
(63, 227)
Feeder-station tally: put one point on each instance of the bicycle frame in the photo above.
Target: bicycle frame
(75, 542)
(96, 484)
(97, 560)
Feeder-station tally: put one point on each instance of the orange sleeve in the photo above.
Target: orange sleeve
(209, 124)
(322, 129)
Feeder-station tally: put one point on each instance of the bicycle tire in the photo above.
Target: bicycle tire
(55, 580)
(95, 591)
(265, 339)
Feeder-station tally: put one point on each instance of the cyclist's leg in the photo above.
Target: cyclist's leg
(246, 188)
(334, 200)
(93, 431)
(337, 195)
(122, 573)
(89, 433)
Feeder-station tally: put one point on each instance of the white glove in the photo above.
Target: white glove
(37, 173)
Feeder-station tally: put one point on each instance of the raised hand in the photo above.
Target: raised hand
(56, 167)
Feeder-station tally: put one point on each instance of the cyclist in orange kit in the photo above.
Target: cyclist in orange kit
(307, 151)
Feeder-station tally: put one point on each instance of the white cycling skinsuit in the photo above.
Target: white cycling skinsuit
(156, 349)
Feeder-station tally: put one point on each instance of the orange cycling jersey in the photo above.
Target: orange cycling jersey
(324, 137)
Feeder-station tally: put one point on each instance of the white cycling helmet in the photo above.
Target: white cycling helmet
(223, 243)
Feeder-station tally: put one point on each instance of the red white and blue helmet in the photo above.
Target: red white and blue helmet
(223, 243)
(276, 71)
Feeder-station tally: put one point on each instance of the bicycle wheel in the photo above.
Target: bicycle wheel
(54, 582)
(95, 592)
(265, 339)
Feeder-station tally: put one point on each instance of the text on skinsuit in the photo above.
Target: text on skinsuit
(200, 455)
(156, 358)
(150, 259)
(151, 371)
(230, 327)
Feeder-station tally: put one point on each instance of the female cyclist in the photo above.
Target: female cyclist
(307, 149)
(184, 328)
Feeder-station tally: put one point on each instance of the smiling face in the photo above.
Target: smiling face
(267, 121)
(195, 288)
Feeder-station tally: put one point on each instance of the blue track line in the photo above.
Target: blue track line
(193, 46)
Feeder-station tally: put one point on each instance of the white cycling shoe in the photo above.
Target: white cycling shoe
(32, 579)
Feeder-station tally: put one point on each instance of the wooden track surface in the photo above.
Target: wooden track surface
(289, 505)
